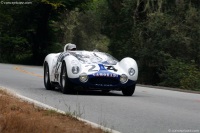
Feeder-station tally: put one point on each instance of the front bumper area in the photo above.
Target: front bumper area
(102, 83)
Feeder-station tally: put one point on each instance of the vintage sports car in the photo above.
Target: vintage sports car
(93, 70)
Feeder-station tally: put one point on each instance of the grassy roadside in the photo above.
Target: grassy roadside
(19, 116)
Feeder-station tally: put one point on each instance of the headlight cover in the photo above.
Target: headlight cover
(83, 77)
(131, 71)
(75, 69)
(123, 78)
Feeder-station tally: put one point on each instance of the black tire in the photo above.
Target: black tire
(66, 85)
(47, 82)
(128, 91)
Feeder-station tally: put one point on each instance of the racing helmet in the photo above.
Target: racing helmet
(69, 47)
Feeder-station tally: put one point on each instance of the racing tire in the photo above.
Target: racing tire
(47, 82)
(128, 91)
(66, 85)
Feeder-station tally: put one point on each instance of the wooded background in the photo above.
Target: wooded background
(163, 36)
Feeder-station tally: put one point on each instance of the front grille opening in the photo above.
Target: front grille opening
(104, 81)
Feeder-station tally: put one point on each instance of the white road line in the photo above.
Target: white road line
(45, 106)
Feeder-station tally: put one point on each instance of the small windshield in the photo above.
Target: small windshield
(87, 57)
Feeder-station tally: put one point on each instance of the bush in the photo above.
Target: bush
(181, 74)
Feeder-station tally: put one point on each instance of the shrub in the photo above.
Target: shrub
(181, 74)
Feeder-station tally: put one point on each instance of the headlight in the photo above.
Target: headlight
(131, 71)
(83, 77)
(123, 78)
(75, 69)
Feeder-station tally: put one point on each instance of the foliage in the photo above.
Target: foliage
(82, 28)
(27, 27)
(12, 40)
(162, 36)
(181, 74)
(153, 32)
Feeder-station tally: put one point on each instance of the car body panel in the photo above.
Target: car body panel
(103, 70)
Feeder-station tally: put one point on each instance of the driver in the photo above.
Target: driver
(71, 47)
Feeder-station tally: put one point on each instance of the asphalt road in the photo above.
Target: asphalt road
(149, 110)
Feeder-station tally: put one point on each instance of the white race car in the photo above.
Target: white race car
(93, 70)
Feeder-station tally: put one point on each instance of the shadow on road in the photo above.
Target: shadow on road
(91, 93)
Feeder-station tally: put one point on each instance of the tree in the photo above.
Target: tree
(83, 27)
(27, 28)
(153, 32)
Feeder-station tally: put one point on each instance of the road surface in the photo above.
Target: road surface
(149, 110)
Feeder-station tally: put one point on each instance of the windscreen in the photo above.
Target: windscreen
(89, 57)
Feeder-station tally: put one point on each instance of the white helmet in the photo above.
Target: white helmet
(69, 46)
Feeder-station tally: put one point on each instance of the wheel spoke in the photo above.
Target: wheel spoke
(64, 81)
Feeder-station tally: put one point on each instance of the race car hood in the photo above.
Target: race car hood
(91, 57)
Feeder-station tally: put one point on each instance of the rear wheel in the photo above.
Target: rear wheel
(47, 82)
(128, 91)
(66, 85)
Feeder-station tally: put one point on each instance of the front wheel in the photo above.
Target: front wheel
(128, 91)
(66, 85)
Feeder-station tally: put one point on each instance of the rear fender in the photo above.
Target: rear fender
(51, 59)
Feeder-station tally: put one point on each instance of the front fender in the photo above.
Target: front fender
(70, 62)
(126, 64)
